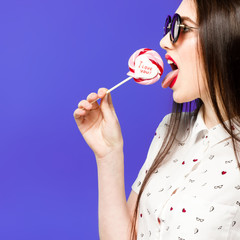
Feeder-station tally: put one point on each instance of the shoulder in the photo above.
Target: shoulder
(186, 122)
(186, 119)
(164, 124)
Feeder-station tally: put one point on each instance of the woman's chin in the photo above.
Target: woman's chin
(177, 98)
(181, 98)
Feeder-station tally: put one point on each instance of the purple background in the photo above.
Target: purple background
(53, 53)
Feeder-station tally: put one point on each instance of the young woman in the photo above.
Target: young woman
(189, 185)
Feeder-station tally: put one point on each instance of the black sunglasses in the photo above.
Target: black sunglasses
(174, 25)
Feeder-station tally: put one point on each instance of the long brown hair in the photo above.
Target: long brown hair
(219, 41)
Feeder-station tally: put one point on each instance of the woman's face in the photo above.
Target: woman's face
(190, 81)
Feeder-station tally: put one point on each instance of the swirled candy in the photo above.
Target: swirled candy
(146, 66)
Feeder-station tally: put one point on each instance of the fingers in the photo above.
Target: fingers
(85, 106)
(92, 98)
(90, 103)
(79, 113)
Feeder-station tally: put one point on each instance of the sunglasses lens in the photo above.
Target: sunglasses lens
(175, 30)
(166, 27)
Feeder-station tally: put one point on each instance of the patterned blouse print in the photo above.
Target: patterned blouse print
(195, 193)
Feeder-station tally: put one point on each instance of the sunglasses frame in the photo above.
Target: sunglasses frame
(170, 24)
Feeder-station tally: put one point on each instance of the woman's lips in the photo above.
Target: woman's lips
(168, 57)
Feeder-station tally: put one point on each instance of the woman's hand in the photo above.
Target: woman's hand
(99, 124)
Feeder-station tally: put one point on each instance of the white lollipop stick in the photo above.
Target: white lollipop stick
(116, 86)
(119, 84)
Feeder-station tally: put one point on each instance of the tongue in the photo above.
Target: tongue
(169, 78)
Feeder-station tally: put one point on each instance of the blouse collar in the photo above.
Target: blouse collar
(217, 133)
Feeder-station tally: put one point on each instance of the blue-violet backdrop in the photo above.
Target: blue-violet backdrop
(53, 53)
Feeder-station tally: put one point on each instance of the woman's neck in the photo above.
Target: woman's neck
(209, 115)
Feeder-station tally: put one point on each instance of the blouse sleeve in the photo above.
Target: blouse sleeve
(152, 152)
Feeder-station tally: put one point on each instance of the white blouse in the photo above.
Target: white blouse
(204, 172)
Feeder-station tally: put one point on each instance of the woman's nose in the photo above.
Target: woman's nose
(165, 42)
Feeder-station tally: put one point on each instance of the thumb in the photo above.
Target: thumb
(107, 107)
(109, 99)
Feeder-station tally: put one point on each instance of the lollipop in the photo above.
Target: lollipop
(146, 67)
